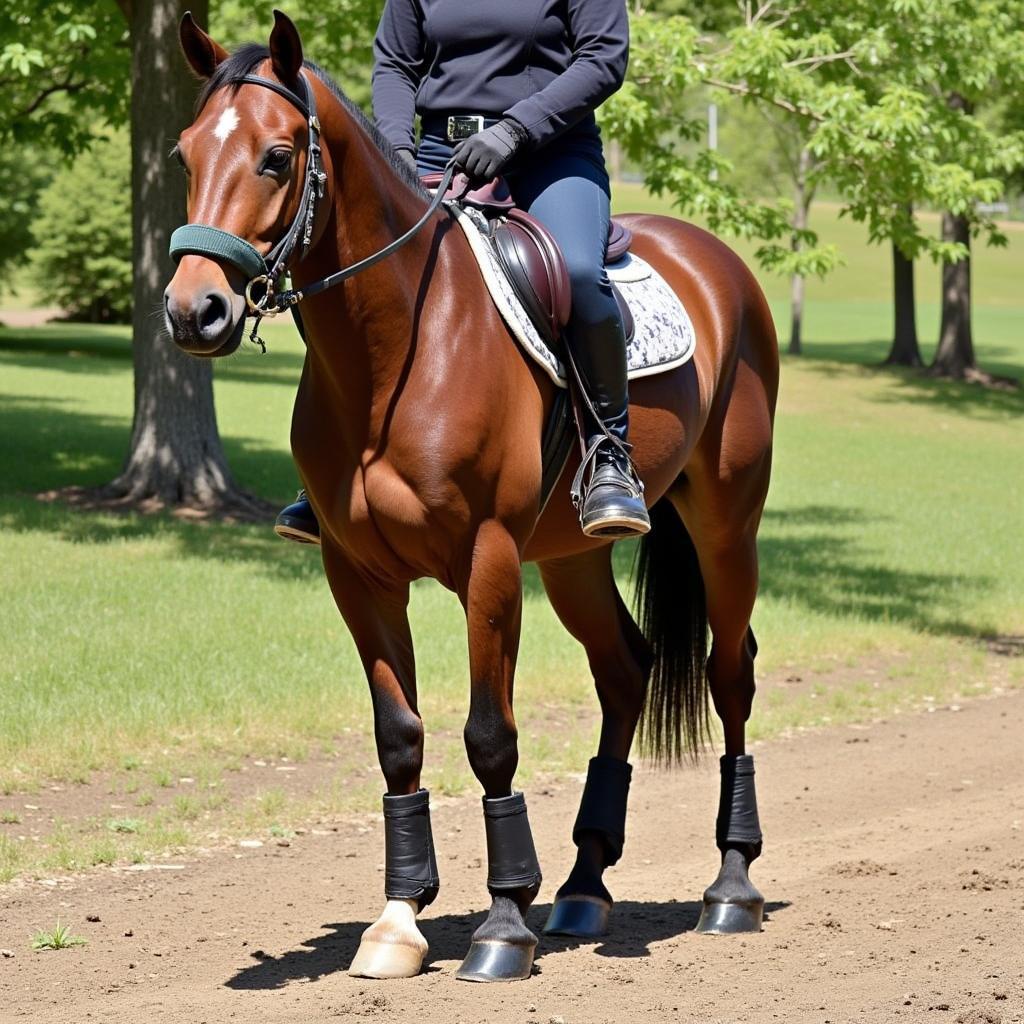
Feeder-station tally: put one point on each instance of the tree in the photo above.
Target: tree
(905, 350)
(24, 174)
(71, 68)
(866, 82)
(82, 258)
(175, 457)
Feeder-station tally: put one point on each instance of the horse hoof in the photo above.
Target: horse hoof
(489, 960)
(386, 960)
(583, 917)
(731, 918)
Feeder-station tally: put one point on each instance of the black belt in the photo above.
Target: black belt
(453, 127)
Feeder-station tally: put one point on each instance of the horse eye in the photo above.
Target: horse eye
(176, 153)
(278, 160)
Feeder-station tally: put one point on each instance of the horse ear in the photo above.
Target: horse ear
(202, 53)
(285, 49)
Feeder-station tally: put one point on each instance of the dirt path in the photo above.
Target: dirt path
(893, 866)
(29, 317)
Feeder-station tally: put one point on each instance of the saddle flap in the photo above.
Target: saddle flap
(536, 268)
(492, 195)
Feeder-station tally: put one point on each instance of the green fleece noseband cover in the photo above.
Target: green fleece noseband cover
(215, 244)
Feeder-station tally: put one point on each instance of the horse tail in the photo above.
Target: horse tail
(672, 614)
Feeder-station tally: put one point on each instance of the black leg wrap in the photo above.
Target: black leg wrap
(737, 823)
(603, 806)
(410, 867)
(511, 857)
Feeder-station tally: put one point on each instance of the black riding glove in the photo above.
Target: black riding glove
(486, 154)
(408, 158)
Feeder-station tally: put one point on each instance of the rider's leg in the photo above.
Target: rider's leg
(298, 522)
(567, 189)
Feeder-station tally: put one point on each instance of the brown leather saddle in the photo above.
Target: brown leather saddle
(530, 256)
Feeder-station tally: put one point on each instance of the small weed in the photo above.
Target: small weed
(103, 852)
(10, 858)
(186, 808)
(163, 778)
(145, 800)
(128, 825)
(59, 938)
(272, 802)
(9, 818)
(130, 763)
(280, 832)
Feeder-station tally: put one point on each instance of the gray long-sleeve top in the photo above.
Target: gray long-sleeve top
(547, 63)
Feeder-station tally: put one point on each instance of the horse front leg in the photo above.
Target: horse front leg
(376, 614)
(503, 946)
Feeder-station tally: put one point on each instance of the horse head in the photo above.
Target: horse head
(246, 158)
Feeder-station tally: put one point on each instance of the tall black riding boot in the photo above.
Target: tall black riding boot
(607, 491)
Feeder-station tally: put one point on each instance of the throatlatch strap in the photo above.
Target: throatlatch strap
(215, 244)
(603, 806)
(511, 857)
(410, 868)
(737, 805)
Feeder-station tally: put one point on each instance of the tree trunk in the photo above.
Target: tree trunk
(796, 321)
(905, 350)
(801, 209)
(955, 354)
(175, 458)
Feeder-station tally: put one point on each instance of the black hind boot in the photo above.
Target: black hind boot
(607, 491)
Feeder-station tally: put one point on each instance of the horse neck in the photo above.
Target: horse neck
(360, 333)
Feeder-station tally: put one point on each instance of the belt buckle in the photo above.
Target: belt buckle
(461, 126)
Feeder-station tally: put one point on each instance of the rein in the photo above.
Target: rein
(264, 272)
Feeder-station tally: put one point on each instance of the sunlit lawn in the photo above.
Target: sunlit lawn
(892, 540)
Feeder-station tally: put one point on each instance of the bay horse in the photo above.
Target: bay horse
(416, 432)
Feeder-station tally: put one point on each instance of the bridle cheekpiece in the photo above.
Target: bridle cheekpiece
(262, 299)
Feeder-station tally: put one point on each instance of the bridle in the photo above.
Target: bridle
(262, 299)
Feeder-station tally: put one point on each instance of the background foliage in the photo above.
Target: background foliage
(83, 237)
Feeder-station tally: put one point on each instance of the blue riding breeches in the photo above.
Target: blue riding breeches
(565, 186)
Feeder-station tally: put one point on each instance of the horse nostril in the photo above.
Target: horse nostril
(214, 315)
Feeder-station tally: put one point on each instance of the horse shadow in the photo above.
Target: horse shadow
(635, 926)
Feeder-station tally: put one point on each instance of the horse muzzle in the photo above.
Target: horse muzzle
(204, 321)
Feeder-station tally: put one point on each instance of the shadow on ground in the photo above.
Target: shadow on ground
(78, 348)
(813, 555)
(46, 445)
(840, 359)
(635, 927)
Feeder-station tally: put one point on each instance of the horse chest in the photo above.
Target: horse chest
(391, 523)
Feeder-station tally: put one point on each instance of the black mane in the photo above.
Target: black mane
(245, 60)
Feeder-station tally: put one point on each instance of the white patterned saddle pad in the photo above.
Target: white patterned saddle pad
(663, 338)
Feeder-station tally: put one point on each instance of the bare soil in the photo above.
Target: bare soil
(893, 867)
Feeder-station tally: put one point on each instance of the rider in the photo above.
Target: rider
(511, 87)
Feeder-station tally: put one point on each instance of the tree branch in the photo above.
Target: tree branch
(66, 86)
(818, 60)
(745, 90)
(126, 9)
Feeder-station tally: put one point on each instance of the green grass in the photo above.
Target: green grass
(59, 937)
(154, 648)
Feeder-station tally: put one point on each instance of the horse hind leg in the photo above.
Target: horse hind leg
(585, 597)
(728, 565)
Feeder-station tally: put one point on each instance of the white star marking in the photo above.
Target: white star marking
(226, 125)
